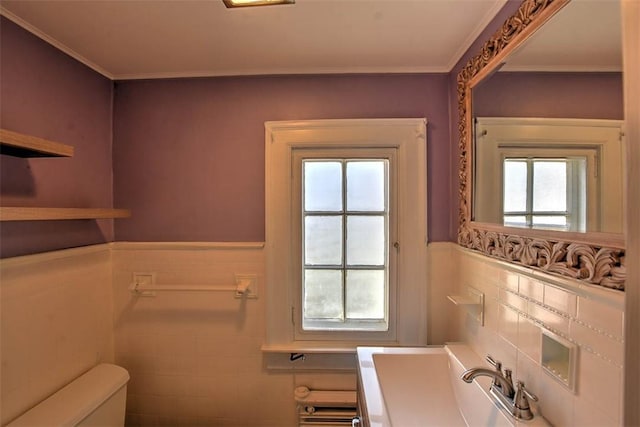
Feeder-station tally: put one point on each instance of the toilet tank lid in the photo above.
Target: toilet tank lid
(75, 401)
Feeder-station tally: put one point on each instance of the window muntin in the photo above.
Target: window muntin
(545, 193)
(345, 229)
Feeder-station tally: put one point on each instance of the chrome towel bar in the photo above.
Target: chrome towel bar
(245, 287)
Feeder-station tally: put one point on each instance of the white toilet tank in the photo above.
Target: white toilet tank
(97, 398)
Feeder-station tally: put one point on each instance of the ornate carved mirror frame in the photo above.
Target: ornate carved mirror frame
(594, 258)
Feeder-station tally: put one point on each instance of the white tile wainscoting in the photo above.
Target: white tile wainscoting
(195, 358)
(56, 320)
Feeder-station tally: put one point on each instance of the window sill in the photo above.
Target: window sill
(315, 356)
(322, 347)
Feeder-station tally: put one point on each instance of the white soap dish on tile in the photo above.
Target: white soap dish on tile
(558, 358)
(473, 302)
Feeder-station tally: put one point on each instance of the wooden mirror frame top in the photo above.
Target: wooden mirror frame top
(594, 258)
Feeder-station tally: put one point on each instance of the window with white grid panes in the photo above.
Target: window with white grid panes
(345, 240)
(345, 237)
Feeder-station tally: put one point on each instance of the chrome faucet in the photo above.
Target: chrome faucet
(499, 381)
(516, 402)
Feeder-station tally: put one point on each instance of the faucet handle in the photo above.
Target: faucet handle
(525, 392)
(507, 375)
(521, 408)
(495, 363)
(498, 365)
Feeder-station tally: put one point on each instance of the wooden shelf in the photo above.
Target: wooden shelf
(46, 214)
(20, 145)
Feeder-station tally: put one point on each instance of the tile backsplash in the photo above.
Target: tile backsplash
(519, 305)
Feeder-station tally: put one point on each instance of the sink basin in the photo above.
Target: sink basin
(416, 389)
(421, 386)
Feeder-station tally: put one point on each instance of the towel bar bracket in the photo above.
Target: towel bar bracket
(246, 286)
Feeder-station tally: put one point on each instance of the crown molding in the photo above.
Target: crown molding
(55, 43)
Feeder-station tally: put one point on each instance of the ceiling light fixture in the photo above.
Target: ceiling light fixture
(245, 3)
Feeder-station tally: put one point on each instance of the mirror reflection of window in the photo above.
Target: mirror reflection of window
(545, 193)
(580, 157)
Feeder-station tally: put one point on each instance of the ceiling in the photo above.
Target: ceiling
(135, 39)
(582, 36)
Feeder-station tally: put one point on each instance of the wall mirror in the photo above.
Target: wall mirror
(541, 142)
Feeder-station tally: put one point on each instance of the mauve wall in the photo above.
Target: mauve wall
(45, 93)
(538, 94)
(189, 153)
